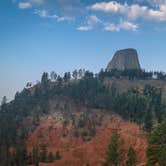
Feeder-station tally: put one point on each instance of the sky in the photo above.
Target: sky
(39, 36)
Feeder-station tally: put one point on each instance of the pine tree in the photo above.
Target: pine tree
(44, 79)
(156, 150)
(4, 100)
(132, 157)
(53, 76)
(66, 76)
(43, 154)
(148, 121)
(50, 157)
(59, 80)
(35, 153)
(57, 155)
(20, 156)
(115, 153)
(75, 74)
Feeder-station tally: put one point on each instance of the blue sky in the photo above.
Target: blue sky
(63, 35)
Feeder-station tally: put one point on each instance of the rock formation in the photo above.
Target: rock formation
(124, 59)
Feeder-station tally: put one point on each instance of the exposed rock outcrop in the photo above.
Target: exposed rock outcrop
(124, 59)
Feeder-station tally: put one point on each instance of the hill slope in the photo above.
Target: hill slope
(69, 121)
(75, 151)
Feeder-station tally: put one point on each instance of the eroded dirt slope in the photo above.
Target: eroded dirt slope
(77, 152)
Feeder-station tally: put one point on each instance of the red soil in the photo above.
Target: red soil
(76, 152)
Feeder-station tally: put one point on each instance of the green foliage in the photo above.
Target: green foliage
(156, 150)
(44, 79)
(53, 76)
(148, 121)
(50, 157)
(4, 101)
(92, 132)
(75, 74)
(127, 73)
(82, 122)
(19, 156)
(115, 153)
(160, 75)
(8, 134)
(84, 134)
(132, 74)
(35, 156)
(141, 107)
(86, 89)
(43, 153)
(86, 120)
(132, 157)
(59, 80)
(100, 121)
(76, 133)
(67, 76)
(131, 105)
(57, 155)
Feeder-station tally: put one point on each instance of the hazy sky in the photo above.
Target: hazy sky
(61, 35)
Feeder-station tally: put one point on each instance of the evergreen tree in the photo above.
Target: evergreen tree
(59, 80)
(156, 151)
(44, 79)
(148, 121)
(50, 157)
(20, 156)
(115, 153)
(57, 155)
(88, 75)
(132, 157)
(75, 74)
(80, 73)
(43, 153)
(4, 100)
(67, 76)
(35, 155)
(53, 76)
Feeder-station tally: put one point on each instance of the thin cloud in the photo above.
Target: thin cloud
(65, 18)
(111, 27)
(38, 2)
(128, 26)
(46, 14)
(85, 28)
(61, 10)
(99, 14)
(133, 11)
(123, 25)
(91, 22)
(42, 13)
(24, 5)
(66, 7)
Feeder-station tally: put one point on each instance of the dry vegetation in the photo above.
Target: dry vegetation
(77, 151)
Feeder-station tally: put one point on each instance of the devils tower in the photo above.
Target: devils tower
(124, 59)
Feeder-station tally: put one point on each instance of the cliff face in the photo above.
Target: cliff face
(124, 59)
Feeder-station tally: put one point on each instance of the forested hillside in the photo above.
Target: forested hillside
(20, 117)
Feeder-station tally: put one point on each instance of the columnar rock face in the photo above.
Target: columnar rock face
(124, 59)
